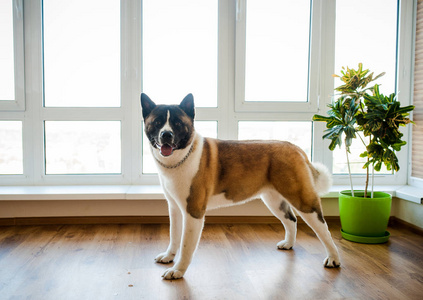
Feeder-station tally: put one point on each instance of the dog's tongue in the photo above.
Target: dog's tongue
(166, 150)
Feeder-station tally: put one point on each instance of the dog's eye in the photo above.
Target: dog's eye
(178, 124)
(157, 123)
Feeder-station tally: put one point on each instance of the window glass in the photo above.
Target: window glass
(82, 53)
(366, 32)
(180, 50)
(372, 40)
(11, 155)
(83, 147)
(340, 165)
(298, 133)
(205, 128)
(277, 50)
(7, 69)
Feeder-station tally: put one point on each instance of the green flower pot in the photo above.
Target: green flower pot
(364, 220)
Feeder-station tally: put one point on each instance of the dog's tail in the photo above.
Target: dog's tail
(322, 178)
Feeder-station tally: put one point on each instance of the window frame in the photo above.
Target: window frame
(314, 68)
(404, 76)
(410, 24)
(229, 110)
(128, 114)
(17, 104)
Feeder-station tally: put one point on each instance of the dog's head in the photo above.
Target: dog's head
(168, 127)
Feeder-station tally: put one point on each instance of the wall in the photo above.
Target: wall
(402, 209)
(58, 208)
(408, 211)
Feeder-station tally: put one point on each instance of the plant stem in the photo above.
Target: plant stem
(367, 180)
(373, 170)
(373, 178)
(367, 169)
(362, 140)
(349, 169)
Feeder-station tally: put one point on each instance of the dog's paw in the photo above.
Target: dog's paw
(331, 262)
(285, 245)
(173, 273)
(164, 258)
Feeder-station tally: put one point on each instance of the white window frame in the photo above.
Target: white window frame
(35, 115)
(314, 68)
(321, 67)
(17, 104)
(220, 113)
(404, 78)
(228, 113)
(128, 114)
(408, 27)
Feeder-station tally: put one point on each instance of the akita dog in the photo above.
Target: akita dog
(198, 174)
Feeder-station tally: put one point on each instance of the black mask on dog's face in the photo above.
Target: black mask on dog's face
(168, 127)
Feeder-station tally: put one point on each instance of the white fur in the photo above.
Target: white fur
(185, 230)
(166, 126)
(324, 181)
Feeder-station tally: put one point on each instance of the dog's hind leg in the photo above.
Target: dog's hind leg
(316, 222)
(283, 211)
(175, 231)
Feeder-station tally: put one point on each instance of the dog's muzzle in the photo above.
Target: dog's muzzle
(166, 137)
(166, 143)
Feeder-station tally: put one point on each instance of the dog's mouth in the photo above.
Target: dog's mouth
(165, 149)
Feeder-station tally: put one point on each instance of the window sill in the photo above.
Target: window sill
(151, 192)
(404, 192)
(81, 192)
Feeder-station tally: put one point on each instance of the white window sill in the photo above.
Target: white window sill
(150, 192)
(405, 192)
(82, 192)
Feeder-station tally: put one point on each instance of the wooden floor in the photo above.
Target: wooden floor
(232, 262)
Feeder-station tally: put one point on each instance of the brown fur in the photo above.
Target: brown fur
(240, 169)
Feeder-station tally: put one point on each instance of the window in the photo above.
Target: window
(81, 105)
(81, 53)
(277, 50)
(258, 69)
(376, 49)
(276, 55)
(83, 147)
(180, 50)
(417, 132)
(11, 155)
(7, 71)
(11, 56)
(298, 133)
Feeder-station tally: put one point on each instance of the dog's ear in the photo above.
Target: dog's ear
(147, 105)
(187, 105)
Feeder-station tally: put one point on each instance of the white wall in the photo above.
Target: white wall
(408, 211)
(402, 209)
(79, 208)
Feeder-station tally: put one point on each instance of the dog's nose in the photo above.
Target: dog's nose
(166, 136)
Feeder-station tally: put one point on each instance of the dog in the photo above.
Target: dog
(198, 174)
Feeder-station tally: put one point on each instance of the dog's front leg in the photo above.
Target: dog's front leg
(192, 229)
(175, 230)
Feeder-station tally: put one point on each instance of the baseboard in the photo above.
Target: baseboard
(394, 221)
(35, 221)
(140, 220)
(84, 220)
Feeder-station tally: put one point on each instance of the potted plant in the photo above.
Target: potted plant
(361, 108)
